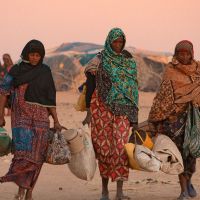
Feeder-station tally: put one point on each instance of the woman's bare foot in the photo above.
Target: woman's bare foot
(20, 195)
(105, 196)
(120, 195)
(105, 193)
(29, 195)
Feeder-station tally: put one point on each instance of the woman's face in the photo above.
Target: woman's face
(184, 57)
(6, 60)
(117, 45)
(34, 58)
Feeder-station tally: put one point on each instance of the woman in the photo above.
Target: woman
(31, 86)
(168, 114)
(112, 99)
(7, 64)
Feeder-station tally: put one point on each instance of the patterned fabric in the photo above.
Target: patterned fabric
(58, 152)
(180, 85)
(23, 173)
(163, 104)
(184, 45)
(176, 131)
(22, 138)
(175, 128)
(109, 135)
(122, 72)
(93, 64)
(30, 124)
(104, 86)
(5, 86)
(192, 132)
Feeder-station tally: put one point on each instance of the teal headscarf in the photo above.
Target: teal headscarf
(122, 72)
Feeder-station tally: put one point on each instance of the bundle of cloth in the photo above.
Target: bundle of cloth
(153, 153)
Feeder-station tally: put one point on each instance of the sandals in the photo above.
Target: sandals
(191, 190)
(183, 196)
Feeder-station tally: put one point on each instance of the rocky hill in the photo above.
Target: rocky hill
(68, 60)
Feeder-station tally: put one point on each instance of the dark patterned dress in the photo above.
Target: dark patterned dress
(30, 124)
(176, 131)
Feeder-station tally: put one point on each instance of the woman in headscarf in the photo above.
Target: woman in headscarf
(168, 115)
(33, 93)
(112, 108)
(5, 68)
(7, 64)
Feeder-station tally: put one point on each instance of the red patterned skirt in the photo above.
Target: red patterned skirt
(109, 135)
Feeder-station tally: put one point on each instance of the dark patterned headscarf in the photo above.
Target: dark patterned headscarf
(122, 72)
(184, 45)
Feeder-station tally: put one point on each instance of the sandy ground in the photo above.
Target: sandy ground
(57, 182)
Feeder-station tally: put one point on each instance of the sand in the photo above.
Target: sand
(58, 183)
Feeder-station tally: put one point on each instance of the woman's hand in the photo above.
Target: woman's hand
(2, 121)
(134, 126)
(57, 126)
(87, 119)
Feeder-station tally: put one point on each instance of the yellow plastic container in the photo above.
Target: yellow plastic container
(130, 147)
(147, 142)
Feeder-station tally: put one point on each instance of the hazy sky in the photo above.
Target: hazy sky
(148, 24)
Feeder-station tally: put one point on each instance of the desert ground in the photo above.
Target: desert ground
(58, 183)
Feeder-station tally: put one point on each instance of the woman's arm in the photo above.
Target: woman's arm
(90, 87)
(134, 123)
(53, 113)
